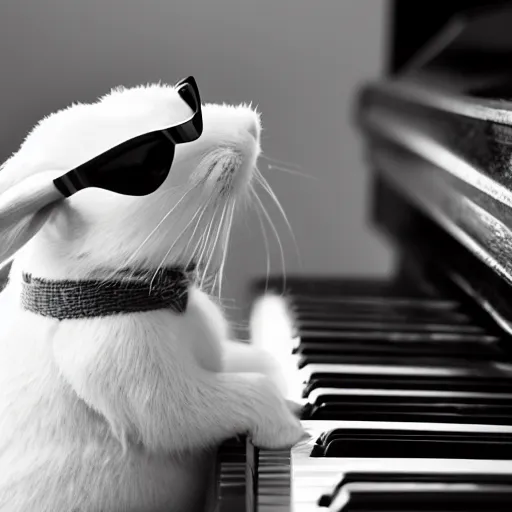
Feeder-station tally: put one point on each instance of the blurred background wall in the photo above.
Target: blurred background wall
(299, 60)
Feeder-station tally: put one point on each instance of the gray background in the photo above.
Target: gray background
(299, 60)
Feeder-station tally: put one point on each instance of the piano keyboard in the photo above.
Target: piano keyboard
(408, 403)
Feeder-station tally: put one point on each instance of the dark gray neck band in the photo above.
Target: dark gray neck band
(127, 293)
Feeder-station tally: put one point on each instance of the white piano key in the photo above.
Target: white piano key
(470, 370)
(315, 428)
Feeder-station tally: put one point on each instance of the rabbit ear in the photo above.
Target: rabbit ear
(8, 175)
(24, 208)
(14, 237)
(17, 236)
(14, 170)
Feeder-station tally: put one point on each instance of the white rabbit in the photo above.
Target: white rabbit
(122, 413)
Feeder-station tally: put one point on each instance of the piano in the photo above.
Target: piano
(407, 382)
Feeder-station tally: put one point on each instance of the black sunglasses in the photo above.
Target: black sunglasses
(138, 166)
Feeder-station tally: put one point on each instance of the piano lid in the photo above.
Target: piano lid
(440, 133)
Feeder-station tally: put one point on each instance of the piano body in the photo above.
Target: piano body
(408, 382)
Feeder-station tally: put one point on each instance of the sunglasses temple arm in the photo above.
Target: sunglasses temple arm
(24, 208)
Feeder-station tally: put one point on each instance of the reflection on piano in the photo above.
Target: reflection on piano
(408, 383)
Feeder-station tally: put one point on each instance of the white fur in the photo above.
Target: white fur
(123, 413)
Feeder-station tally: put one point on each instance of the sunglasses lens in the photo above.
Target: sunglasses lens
(137, 171)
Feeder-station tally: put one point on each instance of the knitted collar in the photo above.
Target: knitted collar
(128, 292)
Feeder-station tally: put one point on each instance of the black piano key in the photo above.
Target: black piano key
(426, 497)
(391, 360)
(476, 383)
(469, 478)
(411, 325)
(343, 286)
(333, 309)
(357, 286)
(409, 412)
(382, 302)
(415, 478)
(320, 310)
(364, 433)
(375, 349)
(377, 443)
(406, 396)
(340, 308)
(335, 315)
(320, 313)
(395, 336)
